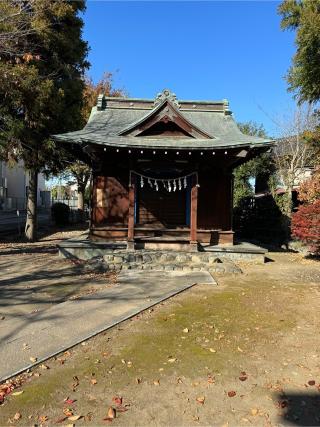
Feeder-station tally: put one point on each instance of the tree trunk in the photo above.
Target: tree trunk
(31, 222)
(286, 217)
(81, 191)
(80, 199)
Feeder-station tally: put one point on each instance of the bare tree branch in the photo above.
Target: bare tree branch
(292, 154)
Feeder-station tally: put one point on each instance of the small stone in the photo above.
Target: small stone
(182, 258)
(195, 258)
(147, 258)
(139, 258)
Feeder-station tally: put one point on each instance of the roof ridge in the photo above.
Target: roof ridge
(151, 100)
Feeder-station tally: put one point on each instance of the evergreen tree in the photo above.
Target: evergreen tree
(303, 77)
(41, 90)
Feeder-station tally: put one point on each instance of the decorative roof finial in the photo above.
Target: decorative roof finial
(101, 101)
(166, 94)
(227, 111)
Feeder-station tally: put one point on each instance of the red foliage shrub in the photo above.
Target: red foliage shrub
(305, 225)
(309, 190)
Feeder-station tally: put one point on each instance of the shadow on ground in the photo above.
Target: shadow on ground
(301, 409)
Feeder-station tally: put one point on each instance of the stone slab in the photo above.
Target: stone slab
(64, 325)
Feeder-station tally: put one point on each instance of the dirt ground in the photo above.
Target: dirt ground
(243, 353)
(33, 277)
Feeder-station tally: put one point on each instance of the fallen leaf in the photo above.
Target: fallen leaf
(211, 379)
(17, 393)
(60, 420)
(122, 408)
(232, 393)
(201, 399)
(68, 412)
(74, 417)
(44, 366)
(283, 403)
(69, 401)
(117, 400)
(88, 417)
(76, 382)
(243, 376)
(111, 413)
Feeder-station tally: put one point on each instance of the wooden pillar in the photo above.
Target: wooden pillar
(193, 214)
(130, 244)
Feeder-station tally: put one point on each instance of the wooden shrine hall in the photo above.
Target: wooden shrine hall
(162, 170)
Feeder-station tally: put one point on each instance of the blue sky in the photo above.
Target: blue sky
(199, 50)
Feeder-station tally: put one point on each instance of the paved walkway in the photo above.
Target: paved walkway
(44, 334)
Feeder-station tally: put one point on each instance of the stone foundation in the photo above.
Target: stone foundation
(169, 261)
(116, 257)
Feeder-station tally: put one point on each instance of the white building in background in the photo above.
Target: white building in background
(14, 183)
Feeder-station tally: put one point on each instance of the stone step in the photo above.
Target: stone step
(217, 268)
(166, 258)
(165, 261)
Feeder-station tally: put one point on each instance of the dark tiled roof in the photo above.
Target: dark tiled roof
(113, 115)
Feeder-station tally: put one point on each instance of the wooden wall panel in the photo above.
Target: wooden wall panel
(214, 204)
(110, 201)
(161, 207)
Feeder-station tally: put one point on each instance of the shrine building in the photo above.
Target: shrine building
(162, 171)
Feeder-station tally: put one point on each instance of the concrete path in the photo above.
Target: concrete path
(49, 332)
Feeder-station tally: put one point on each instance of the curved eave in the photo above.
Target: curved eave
(167, 144)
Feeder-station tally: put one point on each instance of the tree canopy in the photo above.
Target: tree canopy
(41, 90)
(303, 77)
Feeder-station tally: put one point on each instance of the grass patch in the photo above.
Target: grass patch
(233, 323)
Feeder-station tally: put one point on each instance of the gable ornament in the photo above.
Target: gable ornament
(166, 94)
